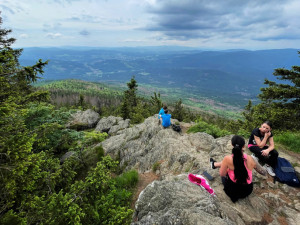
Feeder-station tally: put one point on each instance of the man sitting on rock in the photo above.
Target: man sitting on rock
(166, 119)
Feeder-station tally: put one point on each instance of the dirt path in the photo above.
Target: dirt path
(144, 180)
(185, 127)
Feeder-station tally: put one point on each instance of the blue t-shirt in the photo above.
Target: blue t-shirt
(161, 112)
(166, 120)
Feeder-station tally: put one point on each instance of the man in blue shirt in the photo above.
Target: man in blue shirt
(162, 111)
(166, 119)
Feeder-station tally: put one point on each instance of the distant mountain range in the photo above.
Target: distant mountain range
(231, 77)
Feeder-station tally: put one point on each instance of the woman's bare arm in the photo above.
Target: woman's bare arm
(224, 167)
(261, 170)
(260, 143)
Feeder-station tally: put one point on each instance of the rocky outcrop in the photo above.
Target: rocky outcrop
(83, 120)
(174, 200)
(177, 201)
(148, 143)
(112, 124)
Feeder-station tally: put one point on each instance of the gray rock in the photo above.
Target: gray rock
(83, 120)
(148, 143)
(292, 216)
(177, 201)
(297, 206)
(297, 171)
(122, 124)
(112, 124)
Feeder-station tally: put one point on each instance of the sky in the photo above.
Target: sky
(204, 24)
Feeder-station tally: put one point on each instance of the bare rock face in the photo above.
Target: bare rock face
(177, 201)
(174, 200)
(112, 124)
(148, 143)
(83, 120)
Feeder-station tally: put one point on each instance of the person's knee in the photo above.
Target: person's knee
(275, 153)
(255, 150)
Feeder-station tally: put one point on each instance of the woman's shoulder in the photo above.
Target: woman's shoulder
(250, 161)
(228, 158)
(256, 131)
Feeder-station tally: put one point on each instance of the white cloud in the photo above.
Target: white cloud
(53, 35)
(25, 36)
(199, 23)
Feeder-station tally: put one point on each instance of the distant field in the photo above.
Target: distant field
(216, 81)
(193, 101)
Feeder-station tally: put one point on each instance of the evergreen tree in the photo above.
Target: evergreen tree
(279, 101)
(178, 112)
(18, 164)
(125, 110)
(130, 99)
(130, 94)
(156, 102)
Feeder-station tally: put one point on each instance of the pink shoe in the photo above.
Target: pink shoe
(201, 181)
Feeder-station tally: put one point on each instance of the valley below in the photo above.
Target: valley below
(215, 81)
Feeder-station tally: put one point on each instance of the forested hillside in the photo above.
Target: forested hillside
(82, 94)
(227, 77)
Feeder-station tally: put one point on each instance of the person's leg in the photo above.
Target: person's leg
(218, 164)
(214, 164)
(272, 159)
(224, 180)
(257, 152)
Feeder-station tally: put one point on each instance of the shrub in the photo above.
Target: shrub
(211, 129)
(155, 166)
(127, 180)
(94, 137)
(289, 139)
(99, 151)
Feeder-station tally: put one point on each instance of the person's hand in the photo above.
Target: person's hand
(268, 134)
(265, 152)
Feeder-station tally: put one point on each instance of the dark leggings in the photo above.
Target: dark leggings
(236, 191)
(271, 159)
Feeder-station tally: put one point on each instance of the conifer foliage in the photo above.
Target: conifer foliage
(280, 102)
(130, 99)
(35, 187)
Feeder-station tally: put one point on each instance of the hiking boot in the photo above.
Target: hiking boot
(269, 170)
(212, 163)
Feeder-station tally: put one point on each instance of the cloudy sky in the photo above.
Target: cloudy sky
(209, 24)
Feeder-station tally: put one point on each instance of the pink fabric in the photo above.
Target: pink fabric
(250, 145)
(201, 181)
(231, 172)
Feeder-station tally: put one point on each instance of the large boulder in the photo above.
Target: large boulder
(112, 124)
(177, 201)
(83, 120)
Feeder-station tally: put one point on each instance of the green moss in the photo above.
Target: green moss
(156, 166)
